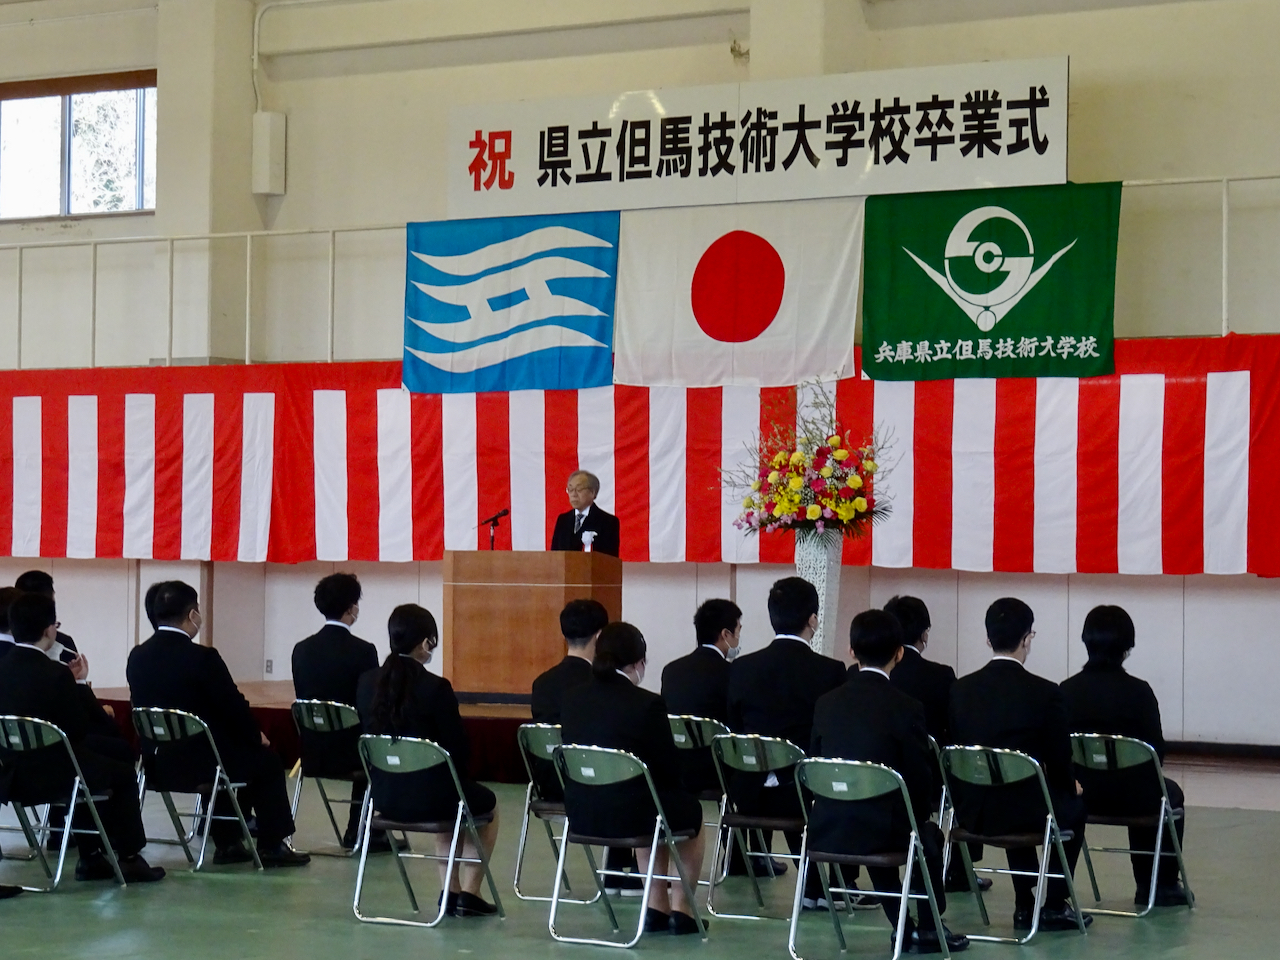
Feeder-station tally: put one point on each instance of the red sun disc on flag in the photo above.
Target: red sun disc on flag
(737, 287)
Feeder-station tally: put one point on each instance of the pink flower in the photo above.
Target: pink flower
(819, 526)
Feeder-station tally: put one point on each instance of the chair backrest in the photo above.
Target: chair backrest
(24, 734)
(324, 716)
(401, 754)
(161, 725)
(848, 779)
(598, 766)
(1109, 752)
(694, 733)
(537, 740)
(990, 766)
(751, 753)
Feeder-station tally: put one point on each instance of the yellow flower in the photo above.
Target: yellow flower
(780, 458)
(869, 466)
(846, 511)
(795, 483)
(777, 509)
(797, 458)
(755, 484)
(814, 511)
(833, 441)
(854, 481)
(860, 504)
(773, 477)
(747, 502)
(841, 455)
(826, 471)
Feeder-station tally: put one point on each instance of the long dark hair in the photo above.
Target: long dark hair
(408, 625)
(619, 645)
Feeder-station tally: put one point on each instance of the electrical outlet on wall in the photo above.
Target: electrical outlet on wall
(270, 665)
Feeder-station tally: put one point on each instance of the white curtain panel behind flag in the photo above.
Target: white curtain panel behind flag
(1171, 466)
(761, 294)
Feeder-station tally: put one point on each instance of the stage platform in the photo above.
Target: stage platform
(491, 727)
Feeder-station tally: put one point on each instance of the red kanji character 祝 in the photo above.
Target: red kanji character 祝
(492, 155)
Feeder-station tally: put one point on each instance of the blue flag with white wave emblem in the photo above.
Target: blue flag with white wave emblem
(510, 303)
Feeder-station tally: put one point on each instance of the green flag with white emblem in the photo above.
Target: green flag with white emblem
(1015, 282)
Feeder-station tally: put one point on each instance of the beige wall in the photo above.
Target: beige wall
(1158, 90)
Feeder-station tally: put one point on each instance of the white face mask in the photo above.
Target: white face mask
(732, 653)
(639, 673)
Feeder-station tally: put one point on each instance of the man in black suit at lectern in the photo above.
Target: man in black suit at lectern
(586, 521)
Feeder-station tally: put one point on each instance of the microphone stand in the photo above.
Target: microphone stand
(493, 524)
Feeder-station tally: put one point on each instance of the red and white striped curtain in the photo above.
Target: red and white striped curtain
(1169, 466)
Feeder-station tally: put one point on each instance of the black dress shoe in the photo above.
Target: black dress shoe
(655, 921)
(8, 893)
(232, 853)
(136, 870)
(1051, 919)
(1174, 896)
(469, 905)
(926, 941)
(682, 924)
(96, 866)
(282, 855)
(451, 908)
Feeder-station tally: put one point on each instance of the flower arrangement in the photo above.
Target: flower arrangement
(810, 477)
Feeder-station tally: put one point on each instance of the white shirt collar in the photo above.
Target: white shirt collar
(908, 646)
(1002, 656)
(338, 623)
(873, 670)
(32, 646)
(712, 646)
(174, 630)
(7, 638)
(791, 636)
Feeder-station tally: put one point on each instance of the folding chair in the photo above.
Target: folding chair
(26, 736)
(988, 767)
(598, 767)
(405, 755)
(318, 720)
(539, 740)
(946, 810)
(850, 781)
(696, 733)
(161, 728)
(750, 753)
(1106, 753)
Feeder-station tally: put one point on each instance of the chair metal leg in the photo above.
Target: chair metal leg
(1066, 874)
(556, 899)
(177, 825)
(483, 856)
(973, 883)
(102, 835)
(1171, 826)
(802, 873)
(932, 896)
(831, 904)
(600, 885)
(328, 808)
(297, 795)
(674, 857)
(904, 901)
(33, 841)
(1093, 879)
(225, 782)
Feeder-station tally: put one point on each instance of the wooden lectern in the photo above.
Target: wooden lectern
(502, 615)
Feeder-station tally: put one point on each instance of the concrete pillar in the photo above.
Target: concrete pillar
(805, 38)
(204, 133)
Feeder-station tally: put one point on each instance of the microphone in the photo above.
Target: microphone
(496, 517)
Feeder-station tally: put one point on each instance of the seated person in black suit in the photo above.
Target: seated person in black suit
(580, 624)
(37, 581)
(925, 680)
(327, 666)
(32, 685)
(613, 711)
(171, 671)
(1005, 705)
(586, 522)
(772, 692)
(867, 718)
(402, 698)
(697, 684)
(1103, 698)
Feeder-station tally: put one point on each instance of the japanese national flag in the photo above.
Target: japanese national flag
(760, 294)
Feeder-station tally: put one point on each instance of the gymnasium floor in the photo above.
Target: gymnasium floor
(232, 912)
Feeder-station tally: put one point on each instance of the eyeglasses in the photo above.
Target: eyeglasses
(576, 489)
